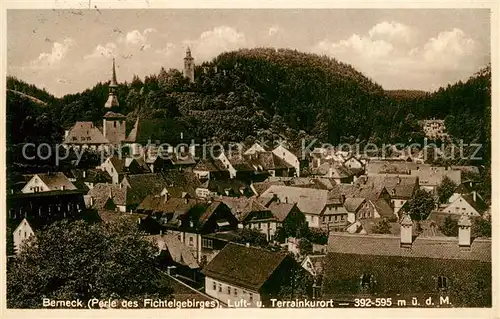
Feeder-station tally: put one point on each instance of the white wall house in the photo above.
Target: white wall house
(22, 233)
(288, 157)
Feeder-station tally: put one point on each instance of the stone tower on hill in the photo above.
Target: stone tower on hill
(189, 66)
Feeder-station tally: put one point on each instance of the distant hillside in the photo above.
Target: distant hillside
(406, 94)
(34, 99)
(275, 94)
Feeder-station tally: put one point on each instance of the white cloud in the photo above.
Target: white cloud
(448, 57)
(363, 47)
(273, 30)
(219, 39)
(449, 48)
(107, 51)
(392, 30)
(167, 50)
(58, 52)
(136, 37)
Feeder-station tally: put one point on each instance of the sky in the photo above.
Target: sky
(68, 51)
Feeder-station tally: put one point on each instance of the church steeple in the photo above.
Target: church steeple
(112, 101)
(189, 66)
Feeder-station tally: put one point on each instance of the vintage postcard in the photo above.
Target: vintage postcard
(164, 161)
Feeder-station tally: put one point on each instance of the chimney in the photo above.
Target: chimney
(66, 134)
(464, 231)
(470, 183)
(474, 194)
(406, 231)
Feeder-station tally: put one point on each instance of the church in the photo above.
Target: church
(85, 135)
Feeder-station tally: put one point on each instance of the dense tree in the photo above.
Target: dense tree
(250, 236)
(445, 189)
(449, 227)
(382, 227)
(481, 227)
(298, 284)
(305, 247)
(70, 260)
(421, 205)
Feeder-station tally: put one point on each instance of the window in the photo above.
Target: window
(214, 286)
(442, 282)
(235, 292)
(207, 243)
(220, 288)
(190, 241)
(228, 290)
(251, 297)
(342, 217)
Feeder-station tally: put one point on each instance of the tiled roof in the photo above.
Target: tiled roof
(261, 187)
(398, 186)
(266, 160)
(390, 167)
(242, 206)
(132, 136)
(101, 193)
(280, 210)
(142, 185)
(91, 175)
(56, 181)
(433, 176)
(466, 169)
(246, 267)
(389, 245)
(113, 115)
(352, 204)
(309, 200)
(179, 252)
(219, 186)
(118, 163)
(180, 182)
(85, 133)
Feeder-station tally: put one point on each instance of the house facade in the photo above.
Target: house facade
(46, 182)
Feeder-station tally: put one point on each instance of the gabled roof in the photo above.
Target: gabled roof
(118, 163)
(246, 267)
(219, 186)
(180, 182)
(141, 185)
(433, 176)
(91, 175)
(56, 181)
(309, 200)
(113, 115)
(241, 207)
(101, 193)
(466, 169)
(390, 167)
(280, 211)
(85, 133)
(352, 204)
(389, 245)
(478, 204)
(179, 252)
(266, 161)
(398, 186)
(210, 165)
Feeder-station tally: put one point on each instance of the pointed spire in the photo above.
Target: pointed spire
(113, 79)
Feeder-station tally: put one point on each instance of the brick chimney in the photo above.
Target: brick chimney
(406, 231)
(464, 231)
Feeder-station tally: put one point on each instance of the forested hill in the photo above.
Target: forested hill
(271, 94)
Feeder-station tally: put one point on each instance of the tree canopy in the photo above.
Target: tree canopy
(421, 205)
(71, 260)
